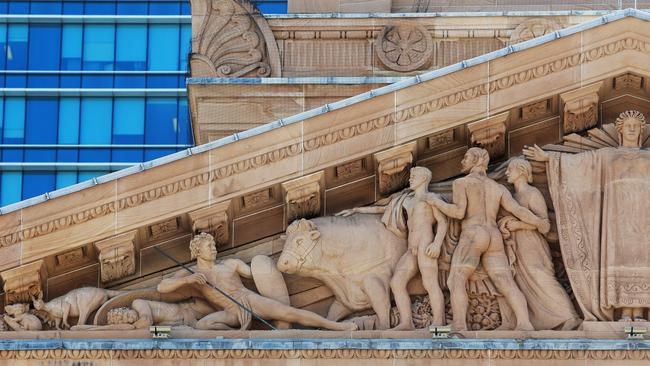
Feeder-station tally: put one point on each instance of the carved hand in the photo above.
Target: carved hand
(433, 250)
(513, 225)
(346, 213)
(544, 226)
(535, 153)
(196, 278)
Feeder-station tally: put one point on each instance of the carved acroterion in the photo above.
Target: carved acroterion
(393, 168)
(117, 256)
(580, 108)
(303, 196)
(214, 220)
(24, 282)
(490, 134)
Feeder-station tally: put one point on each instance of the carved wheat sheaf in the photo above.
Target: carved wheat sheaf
(312, 143)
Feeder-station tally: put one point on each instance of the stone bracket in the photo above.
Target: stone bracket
(393, 167)
(21, 283)
(303, 196)
(214, 220)
(117, 256)
(580, 108)
(490, 134)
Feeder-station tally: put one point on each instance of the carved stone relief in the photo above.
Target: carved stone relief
(393, 168)
(490, 134)
(628, 81)
(303, 196)
(580, 108)
(24, 282)
(117, 256)
(231, 39)
(404, 47)
(533, 28)
(214, 220)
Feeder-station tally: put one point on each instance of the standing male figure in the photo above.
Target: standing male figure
(423, 247)
(225, 275)
(476, 201)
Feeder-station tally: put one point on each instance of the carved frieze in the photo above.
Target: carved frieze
(580, 108)
(440, 139)
(490, 134)
(628, 81)
(404, 47)
(24, 282)
(231, 39)
(303, 196)
(533, 28)
(214, 220)
(393, 167)
(117, 256)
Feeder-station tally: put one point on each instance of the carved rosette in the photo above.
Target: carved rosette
(404, 47)
(24, 282)
(533, 28)
(580, 108)
(117, 256)
(231, 39)
(303, 196)
(393, 166)
(214, 220)
(490, 134)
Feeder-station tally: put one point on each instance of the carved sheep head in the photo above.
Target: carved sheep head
(301, 237)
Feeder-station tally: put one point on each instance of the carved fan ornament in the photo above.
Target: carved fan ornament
(404, 48)
(230, 41)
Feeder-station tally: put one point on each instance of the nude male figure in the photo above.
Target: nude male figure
(476, 201)
(225, 275)
(423, 247)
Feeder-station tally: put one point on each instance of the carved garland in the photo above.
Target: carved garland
(335, 136)
(166, 354)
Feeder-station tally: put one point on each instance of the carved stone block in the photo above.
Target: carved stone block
(303, 196)
(490, 134)
(117, 256)
(580, 108)
(440, 139)
(214, 220)
(393, 168)
(535, 110)
(628, 82)
(21, 283)
(164, 229)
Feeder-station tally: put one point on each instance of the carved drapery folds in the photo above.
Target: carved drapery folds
(490, 134)
(24, 282)
(117, 256)
(580, 108)
(404, 47)
(393, 166)
(214, 220)
(303, 196)
(230, 38)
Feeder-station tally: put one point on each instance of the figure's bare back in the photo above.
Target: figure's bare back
(483, 200)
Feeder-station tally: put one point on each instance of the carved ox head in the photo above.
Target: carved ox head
(300, 239)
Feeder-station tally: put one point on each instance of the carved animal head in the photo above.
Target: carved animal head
(39, 304)
(301, 238)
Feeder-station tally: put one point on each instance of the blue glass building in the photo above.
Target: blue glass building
(90, 87)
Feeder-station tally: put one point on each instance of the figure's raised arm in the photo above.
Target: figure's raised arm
(180, 279)
(535, 153)
(242, 268)
(455, 210)
(522, 213)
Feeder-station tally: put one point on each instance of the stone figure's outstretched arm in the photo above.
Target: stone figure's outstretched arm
(454, 210)
(242, 268)
(535, 153)
(522, 213)
(180, 279)
(367, 209)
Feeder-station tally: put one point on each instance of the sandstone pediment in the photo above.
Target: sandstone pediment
(246, 188)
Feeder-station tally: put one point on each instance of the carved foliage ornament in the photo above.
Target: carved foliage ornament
(581, 108)
(117, 256)
(214, 220)
(404, 47)
(490, 134)
(533, 28)
(229, 41)
(303, 196)
(393, 167)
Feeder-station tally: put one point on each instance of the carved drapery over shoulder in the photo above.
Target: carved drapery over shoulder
(230, 38)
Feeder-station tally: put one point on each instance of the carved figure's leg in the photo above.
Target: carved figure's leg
(377, 292)
(83, 315)
(274, 310)
(429, 271)
(406, 268)
(498, 269)
(220, 320)
(337, 311)
(66, 313)
(466, 258)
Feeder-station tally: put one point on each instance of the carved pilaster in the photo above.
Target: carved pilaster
(304, 196)
(214, 220)
(393, 167)
(23, 282)
(490, 134)
(580, 108)
(117, 256)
